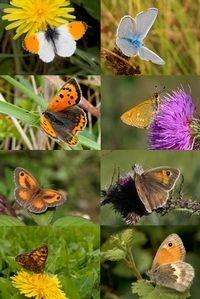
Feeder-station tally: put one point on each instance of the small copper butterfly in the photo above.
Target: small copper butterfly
(63, 119)
(168, 268)
(141, 115)
(31, 196)
(60, 40)
(35, 260)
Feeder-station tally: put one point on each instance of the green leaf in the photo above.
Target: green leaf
(10, 221)
(73, 220)
(113, 255)
(43, 219)
(146, 290)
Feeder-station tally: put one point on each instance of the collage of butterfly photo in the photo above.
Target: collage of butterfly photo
(99, 149)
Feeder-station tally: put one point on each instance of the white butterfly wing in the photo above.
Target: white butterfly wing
(144, 21)
(126, 27)
(46, 50)
(65, 43)
(147, 54)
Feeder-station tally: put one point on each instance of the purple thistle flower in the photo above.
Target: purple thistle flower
(171, 129)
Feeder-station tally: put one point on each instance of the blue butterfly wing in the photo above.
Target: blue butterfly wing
(126, 28)
(147, 54)
(144, 21)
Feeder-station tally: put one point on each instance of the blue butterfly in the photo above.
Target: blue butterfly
(131, 33)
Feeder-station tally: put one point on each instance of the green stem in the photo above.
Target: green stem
(132, 266)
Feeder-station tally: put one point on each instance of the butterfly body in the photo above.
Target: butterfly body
(153, 185)
(31, 196)
(168, 267)
(60, 40)
(141, 115)
(131, 32)
(35, 260)
(63, 119)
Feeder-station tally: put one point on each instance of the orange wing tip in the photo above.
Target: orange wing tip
(77, 29)
(31, 44)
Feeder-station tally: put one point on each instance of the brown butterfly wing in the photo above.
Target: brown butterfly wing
(46, 198)
(64, 124)
(26, 186)
(163, 177)
(35, 260)
(153, 186)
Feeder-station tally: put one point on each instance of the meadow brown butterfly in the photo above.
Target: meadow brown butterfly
(31, 196)
(168, 268)
(153, 185)
(141, 115)
(63, 119)
(35, 260)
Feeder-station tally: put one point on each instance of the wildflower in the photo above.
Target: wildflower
(39, 286)
(124, 198)
(29, 16)
(173, 128)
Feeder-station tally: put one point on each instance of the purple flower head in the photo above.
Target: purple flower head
(171, 127)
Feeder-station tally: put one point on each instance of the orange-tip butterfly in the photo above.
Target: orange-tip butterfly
(60, 40)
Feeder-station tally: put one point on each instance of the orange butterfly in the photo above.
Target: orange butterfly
(35, 260)
(63, 119)
(31, 196)
(141, 115)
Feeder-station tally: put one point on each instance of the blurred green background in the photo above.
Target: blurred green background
(187, 162)
(116, 277)
(120, 94)
(76, 174)
(73, 256)
(174, 35)
(15, 60)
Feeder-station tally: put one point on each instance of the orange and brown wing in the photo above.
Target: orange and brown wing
(65, 124)
(69, 95)
(170, 251)
(26, 186)
(46, 198)
(35, 260)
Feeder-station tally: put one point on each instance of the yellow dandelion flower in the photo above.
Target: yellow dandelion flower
(29, 16)
(39, 286)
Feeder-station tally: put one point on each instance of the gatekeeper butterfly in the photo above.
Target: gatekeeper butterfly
(60, 40)
(35, 260)
(168, 268)
(141, 115)
(63, 119)
(153, 185)
(31, 196)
